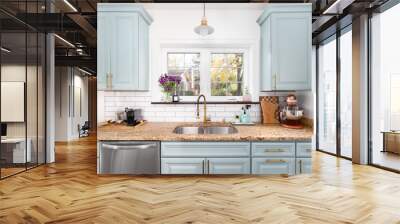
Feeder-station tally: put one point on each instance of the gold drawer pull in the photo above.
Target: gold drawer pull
(274, 150)
(275, 161)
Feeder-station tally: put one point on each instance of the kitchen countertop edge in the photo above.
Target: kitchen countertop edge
(162, 131)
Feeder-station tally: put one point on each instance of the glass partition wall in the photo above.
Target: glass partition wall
(334, 105)
(22, 77)
(327, 96)
(385, 90)
(346, 95)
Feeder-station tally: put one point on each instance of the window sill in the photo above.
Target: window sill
(209, 102)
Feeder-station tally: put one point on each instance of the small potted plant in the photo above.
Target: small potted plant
(169, 85)
(246, 95)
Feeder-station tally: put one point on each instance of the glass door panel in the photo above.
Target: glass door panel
(327, 96)
(385, 89)
(346, 94)
(32, 99)
(13, 92)
(41, 98)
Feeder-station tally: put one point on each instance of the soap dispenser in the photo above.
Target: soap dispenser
(245, 115)
(248, 117)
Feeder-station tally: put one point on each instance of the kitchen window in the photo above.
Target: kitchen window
(220, 74)
(186, 65)
(226, 74)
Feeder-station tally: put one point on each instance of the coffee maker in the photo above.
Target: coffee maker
(132, 116)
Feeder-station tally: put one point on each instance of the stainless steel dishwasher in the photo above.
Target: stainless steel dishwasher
(129, 157)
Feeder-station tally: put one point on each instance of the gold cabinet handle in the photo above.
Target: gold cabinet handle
(275, 161)
(274, 150)
(204, 164)
(274, 81)
(109, 80)
(208, 166)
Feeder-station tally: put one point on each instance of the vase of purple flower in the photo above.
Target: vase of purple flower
(169, 85)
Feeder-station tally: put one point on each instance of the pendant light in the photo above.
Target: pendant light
(204, 29)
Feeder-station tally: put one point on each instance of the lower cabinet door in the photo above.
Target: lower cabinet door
(303, 165)
(228, 165)
(182, 165)
(273, 166)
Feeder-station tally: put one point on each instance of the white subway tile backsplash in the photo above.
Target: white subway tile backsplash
(141, 104)
(191, 108)
(165, 114)
(185, 114)
(118, 101)
(158, 119)
(216, 109)
(153, 108)
(233, 108)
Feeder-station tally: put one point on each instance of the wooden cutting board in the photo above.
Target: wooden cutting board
(269, 109)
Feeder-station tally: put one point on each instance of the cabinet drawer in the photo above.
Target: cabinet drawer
(205, 149)
(273, 166)
(303, 149)
(228, 165)
(303, 165)
(273, 149)
(182, 166)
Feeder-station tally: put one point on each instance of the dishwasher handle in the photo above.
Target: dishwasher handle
(128, 147)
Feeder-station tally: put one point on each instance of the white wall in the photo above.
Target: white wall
(17, 72)
(173, 27)
(68, 81)
(235, 25)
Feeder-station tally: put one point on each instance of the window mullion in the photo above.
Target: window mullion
(205, 76)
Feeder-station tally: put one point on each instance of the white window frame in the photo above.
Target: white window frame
(205, 69)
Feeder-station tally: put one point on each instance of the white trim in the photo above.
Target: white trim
(205, 51)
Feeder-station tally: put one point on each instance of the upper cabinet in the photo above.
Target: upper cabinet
(285, 48)
(122, 47)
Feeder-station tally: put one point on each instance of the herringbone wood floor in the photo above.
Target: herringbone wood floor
(69, 191)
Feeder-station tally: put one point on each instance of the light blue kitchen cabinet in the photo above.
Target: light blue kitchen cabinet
(303, 165)
(123, 47)
(144, 78)
(209, 157)
(260, 158)
(103, 51)
(228, 165)
(182, 165)
(303, 149)
(273, 166)
(285, 47)
(303, 157)
(205, 149)
(273, 149)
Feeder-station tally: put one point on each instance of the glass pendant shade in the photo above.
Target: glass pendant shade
(204, 29)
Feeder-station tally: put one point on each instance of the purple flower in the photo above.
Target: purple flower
(169, 83)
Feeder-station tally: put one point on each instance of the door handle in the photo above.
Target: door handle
(204, 164)
(208, 166)
(128, 147)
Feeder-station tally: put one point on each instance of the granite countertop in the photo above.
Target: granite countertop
(163, 131)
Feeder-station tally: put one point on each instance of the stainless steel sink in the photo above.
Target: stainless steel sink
(195, 130)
